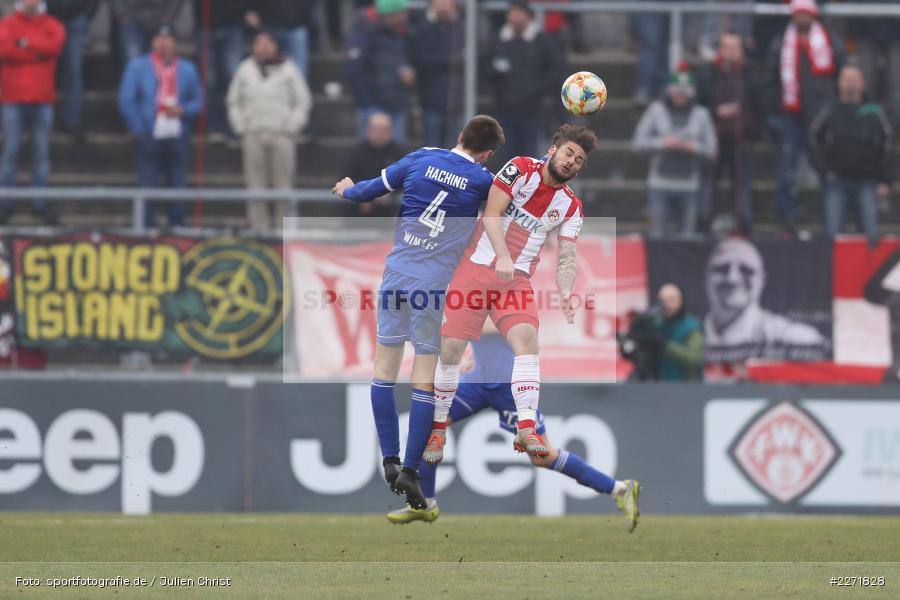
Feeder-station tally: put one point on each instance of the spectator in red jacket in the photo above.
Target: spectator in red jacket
(30, 44)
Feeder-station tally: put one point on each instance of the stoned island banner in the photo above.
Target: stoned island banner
(219, 298)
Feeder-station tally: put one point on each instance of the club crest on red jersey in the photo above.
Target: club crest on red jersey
(553, 216)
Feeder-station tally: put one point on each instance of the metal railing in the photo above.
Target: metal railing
(140, 196)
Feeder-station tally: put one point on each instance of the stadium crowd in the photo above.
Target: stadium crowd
(826, 90)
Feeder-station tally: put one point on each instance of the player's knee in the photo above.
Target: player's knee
(452, 351)
(523, 339)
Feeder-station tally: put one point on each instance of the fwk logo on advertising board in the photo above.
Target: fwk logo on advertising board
(784, 452)
(804, 454)
(484, 464)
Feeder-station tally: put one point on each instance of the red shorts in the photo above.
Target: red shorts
(476, 292)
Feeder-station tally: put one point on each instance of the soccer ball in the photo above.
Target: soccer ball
(583, 93)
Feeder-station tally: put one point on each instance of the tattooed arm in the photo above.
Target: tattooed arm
(565, 276)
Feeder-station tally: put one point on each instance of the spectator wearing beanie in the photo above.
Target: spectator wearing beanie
(680, 138)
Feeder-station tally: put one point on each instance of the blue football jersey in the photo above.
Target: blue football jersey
(442, 192)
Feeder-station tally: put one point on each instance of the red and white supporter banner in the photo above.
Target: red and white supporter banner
(336, 289)
(866, 309)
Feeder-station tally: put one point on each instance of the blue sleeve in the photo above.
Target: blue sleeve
(192, 102)
(128, 98)
(391, 179)
(366, 191)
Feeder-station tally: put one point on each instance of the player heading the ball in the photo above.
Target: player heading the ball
(442, 193)
(528, 199)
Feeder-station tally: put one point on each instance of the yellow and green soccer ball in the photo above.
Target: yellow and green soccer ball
(583, 93)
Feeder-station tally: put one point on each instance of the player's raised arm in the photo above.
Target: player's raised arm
(365, 191)
(497, 203)
(565, 276)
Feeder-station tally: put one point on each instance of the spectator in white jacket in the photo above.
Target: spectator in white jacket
(268, 104)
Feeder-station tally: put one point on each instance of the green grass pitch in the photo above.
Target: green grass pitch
(459, 556)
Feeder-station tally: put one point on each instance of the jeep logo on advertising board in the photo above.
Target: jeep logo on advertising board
(83, 452)
(483, 464)
(784, 452)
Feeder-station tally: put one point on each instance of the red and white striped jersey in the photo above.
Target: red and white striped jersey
(536, 209)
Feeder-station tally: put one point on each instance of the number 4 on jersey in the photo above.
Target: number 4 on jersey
(433, 217)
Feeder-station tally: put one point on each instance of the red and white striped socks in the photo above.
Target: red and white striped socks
(526, 388)
(446, 380)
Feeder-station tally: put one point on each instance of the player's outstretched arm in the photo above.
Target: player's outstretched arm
(565, 276)
(364, 191)
(342, 186)
(497, 203)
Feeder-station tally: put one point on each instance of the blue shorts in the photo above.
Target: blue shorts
(473, 397)
(410, 310)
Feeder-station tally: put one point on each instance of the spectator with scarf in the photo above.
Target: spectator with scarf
(159, 98)
(802, 69)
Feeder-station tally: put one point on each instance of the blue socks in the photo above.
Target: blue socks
(574, 466)
(567, 463)
(421, 417)
(427, 474)
(387, 422)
